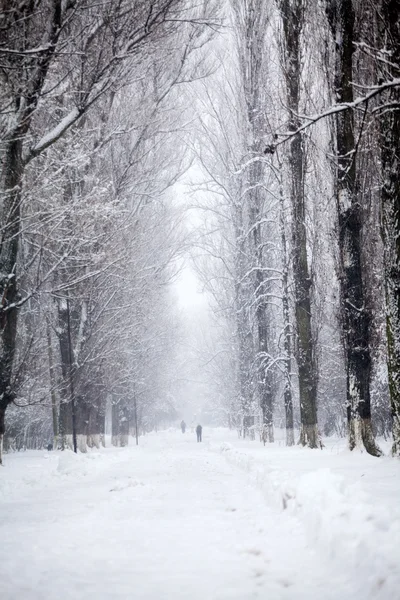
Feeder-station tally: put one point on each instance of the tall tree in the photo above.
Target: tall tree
(223, 259)
(389, 64)
(354, 312)
(293, 14)
(287, 325)
(251, 23)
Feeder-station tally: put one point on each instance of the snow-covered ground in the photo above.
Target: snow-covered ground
(225, 519)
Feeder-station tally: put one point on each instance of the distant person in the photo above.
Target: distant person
(183, 426)
(49, 447)
(199, 430)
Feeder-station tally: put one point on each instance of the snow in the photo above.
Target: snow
(344, 200)
(57, 131)
(224, 519)
(347, 502)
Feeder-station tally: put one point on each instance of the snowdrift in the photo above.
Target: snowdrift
(338, 515)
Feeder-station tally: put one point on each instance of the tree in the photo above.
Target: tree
(221, 255)
(251, 24)
(293, 14)
(354, 312)
(388, 57)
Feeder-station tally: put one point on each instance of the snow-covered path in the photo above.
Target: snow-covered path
(168, 520)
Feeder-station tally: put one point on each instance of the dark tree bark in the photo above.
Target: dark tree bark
(12, 173)
(65, 413)
(354, 314)
(52, 377)
(390, 156)
(292, 12)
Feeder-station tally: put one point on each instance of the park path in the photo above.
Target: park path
(170, 520)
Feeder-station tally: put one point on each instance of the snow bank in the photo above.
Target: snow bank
(339, 516)
(38, 470)
(78, 464)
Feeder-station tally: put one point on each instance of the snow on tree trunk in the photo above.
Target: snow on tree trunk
(287, 336)
(12, 173)
(120, 424)
(251, 22)
(94, 440)
(65, 424)
(96, 423)
(52, 378)
(81, 442)
(390, 156)
(65, 411)
(243, 325)
(115, 425)
(262, 317)
(354, 315)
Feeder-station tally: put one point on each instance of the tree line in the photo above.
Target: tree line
(92, 123)
(289, 109)
(299, 146)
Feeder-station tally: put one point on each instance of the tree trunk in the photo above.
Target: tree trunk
(293, 18)
(52, 385)
(261, 290)
(354, 315)
(243, 326)
(287, 339)
(124, 427)
(65, 413)
(115, 425)
(2, 431)
(390, 156)
(251, 25)
(12, 172)
(82, 419)
(120, 424)
(96, 420)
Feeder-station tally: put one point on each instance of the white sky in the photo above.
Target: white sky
(188, 289)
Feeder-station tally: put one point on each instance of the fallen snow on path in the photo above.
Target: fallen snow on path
(221, 520)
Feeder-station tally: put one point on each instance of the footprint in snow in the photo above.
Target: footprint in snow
(125, 485)
(285, 583)
(253, 551)
(257, 573)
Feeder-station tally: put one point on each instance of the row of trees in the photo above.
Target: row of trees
(300, 247)
(92, 124)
